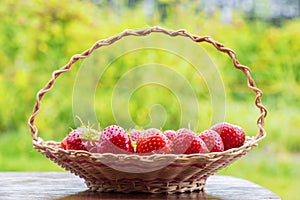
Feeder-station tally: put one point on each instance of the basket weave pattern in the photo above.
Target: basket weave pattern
(168, 173)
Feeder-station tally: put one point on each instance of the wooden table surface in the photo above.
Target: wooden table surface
(66, 186)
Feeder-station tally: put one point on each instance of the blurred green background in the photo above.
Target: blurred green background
(37, 37)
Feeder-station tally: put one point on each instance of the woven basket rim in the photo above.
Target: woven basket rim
(249, 142)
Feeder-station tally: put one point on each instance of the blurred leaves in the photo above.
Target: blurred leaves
(38, 37)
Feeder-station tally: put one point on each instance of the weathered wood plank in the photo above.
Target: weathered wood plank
(65, 186)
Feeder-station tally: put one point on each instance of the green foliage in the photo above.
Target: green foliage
(38, 37)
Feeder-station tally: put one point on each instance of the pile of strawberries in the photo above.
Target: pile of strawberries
(114, 139)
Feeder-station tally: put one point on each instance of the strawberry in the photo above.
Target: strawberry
(73, 141)
(170, 134)
(153, 141)
(187, 142)
(134, 133)
(150, 132)
(233, 136)
(185, 131)
(114, 139)
(82, 138)
(212, 140)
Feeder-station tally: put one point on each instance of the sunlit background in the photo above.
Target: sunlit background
(37, 37)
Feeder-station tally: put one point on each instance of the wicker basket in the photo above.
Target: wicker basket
(170, 173)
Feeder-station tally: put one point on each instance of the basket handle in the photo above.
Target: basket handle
(143, 32)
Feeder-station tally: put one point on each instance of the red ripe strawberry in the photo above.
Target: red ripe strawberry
(82, 138)
(185, 131)
(153, 141)
(135, 134)
(212, 140)
(73, 141)
(114, 139)
(233, 136)
(150, 132)
(187, 142)
(170, 134)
